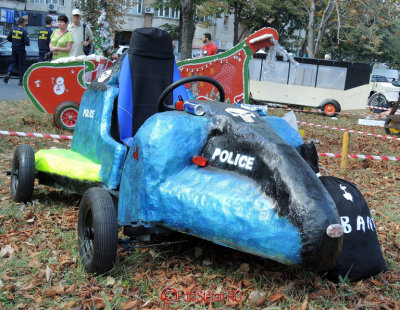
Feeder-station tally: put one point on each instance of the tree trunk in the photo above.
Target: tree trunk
(180, 33)
(187, 29)
(237, 18)
(310, 29)
(322, 27)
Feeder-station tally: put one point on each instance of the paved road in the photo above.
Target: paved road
(11, 91)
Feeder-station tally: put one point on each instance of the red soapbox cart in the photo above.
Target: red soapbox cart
(57, 87)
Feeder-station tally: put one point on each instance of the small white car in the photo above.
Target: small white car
(384, 92)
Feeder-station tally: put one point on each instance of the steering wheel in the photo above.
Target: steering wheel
(164, 94)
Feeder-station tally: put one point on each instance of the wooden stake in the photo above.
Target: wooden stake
(345, 152)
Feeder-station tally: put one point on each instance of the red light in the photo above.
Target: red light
(199, 161)
(179, 105)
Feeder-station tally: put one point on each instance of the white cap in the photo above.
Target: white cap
(76, 12)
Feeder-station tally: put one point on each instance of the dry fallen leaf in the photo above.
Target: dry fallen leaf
(189, 289)
(276, 297)
(49, 273)
(94, 302)
(376, 283)
(304, 304)
(110, 281)
(50, 292)
(262, 301)
(130, 305)
(6, 251)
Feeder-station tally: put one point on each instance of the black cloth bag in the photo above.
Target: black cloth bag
(88, 48)
(361, 255)
(48, 56)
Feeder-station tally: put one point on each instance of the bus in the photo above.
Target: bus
(328, 85)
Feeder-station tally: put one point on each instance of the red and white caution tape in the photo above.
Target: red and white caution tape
(34, 135)
(63, 137)
(372, 107)
(322, 112)
(348, 130)
(361, 156)
(317, 111)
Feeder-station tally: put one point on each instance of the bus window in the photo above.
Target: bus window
(278, 74)
(303, 75)
(331, 77)
(255, 69)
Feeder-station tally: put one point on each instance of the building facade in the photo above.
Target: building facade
(36, 10)
(144, 15)
(140, 15)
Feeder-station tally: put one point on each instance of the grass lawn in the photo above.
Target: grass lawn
(40, 267)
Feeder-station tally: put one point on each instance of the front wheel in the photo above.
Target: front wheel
(97, 231)
(66, 115)
(379, 101)
(330, 108)
(23, 173)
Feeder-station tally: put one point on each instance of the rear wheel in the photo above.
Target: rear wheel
(330, 108)
(97, 231)
(391, 131)
(23, 173)
(66, 115)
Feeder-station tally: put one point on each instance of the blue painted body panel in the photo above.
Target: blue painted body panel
(92, 137)
(163, 186)
(284, 130)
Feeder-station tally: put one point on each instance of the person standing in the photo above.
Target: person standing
(19, 38)
(209, 48)
(44, 38)
(81, 39)
(61, 40)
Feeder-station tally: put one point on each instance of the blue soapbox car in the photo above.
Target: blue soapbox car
(148, 159)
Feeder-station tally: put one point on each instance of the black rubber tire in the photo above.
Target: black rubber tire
(330, 108)
(23, 173)
(97, 231)
(391, 131)
(218, 86)
(378, 100)
(65, 115)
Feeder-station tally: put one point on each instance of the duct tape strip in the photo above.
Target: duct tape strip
(348, 130)
(34, 135)
(358, 156)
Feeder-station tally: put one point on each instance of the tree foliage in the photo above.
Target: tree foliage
(115, 10)
(369, 32)
(354, 30)
(284, 16)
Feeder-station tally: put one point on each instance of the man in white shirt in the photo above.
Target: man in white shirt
(76, 28)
